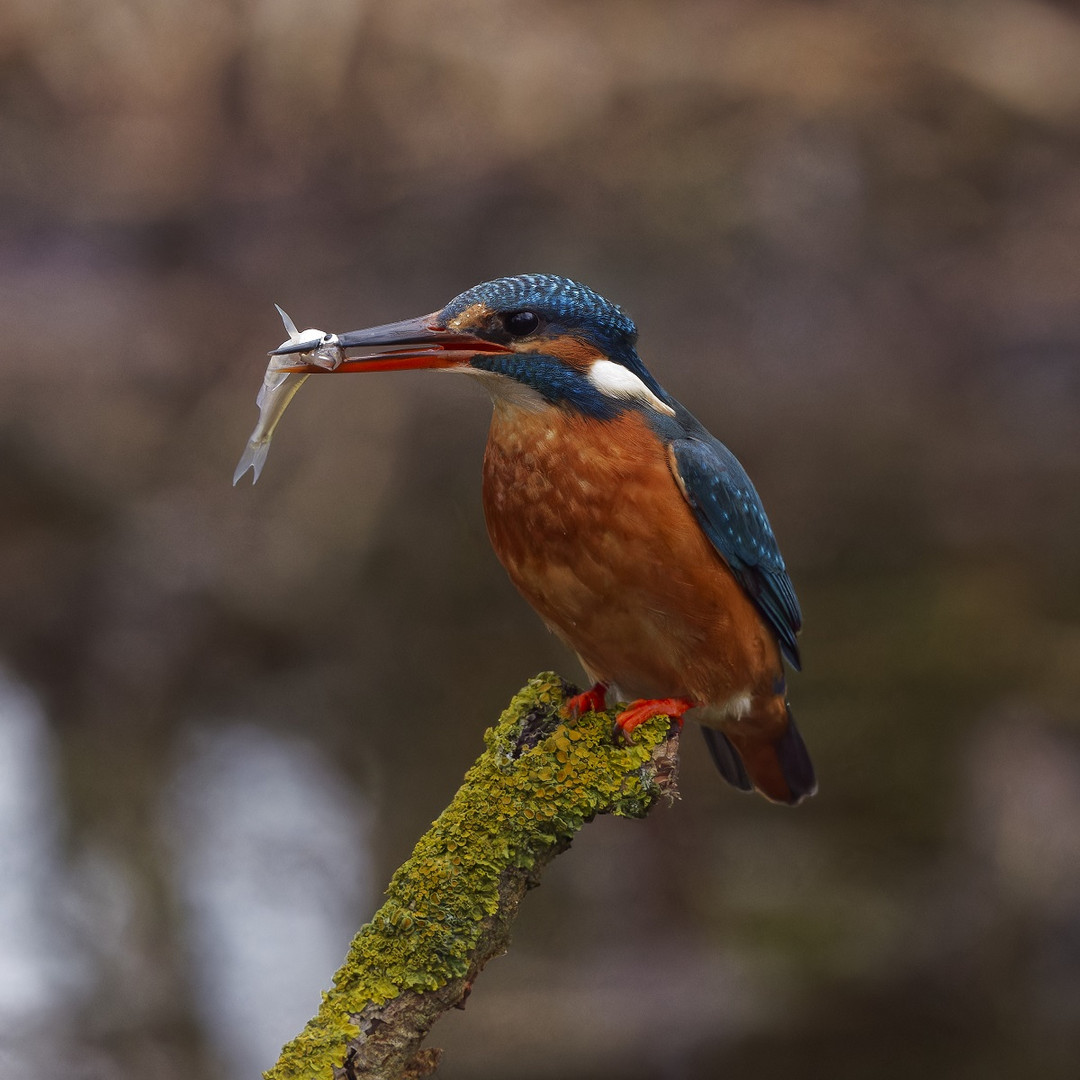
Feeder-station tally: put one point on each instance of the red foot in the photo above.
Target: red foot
(592, 700)
(639, 711)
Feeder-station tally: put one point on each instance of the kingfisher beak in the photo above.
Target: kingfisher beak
(400, 346)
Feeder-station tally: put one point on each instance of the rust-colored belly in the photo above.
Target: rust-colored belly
(593, 530)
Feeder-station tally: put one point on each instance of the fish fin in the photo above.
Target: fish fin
(290, 326)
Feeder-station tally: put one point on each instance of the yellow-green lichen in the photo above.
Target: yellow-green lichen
(539, 780)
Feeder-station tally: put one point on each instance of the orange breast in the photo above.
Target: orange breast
(593, 530)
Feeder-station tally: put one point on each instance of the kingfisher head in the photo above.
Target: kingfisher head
(535, 340)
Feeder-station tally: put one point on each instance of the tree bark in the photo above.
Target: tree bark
(449, 909)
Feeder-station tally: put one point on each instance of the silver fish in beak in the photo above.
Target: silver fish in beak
(309, 347)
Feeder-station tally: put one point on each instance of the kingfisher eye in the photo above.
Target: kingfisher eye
(521, 323)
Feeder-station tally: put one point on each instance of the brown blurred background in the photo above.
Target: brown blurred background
(849, 232)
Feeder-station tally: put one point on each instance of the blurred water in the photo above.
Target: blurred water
(41, 967)
(273, 867)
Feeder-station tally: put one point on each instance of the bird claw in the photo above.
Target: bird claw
(592, 700)
(637, 712)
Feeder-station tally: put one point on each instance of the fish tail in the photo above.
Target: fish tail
(253, 457)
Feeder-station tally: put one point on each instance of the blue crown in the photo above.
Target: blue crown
(557, 299)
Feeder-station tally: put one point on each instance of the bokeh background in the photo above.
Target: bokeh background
(849, 232)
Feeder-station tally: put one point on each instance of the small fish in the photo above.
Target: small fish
(278, 387)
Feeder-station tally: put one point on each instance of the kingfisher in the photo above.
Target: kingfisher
(635, 534)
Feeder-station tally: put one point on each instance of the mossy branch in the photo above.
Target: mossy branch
(449, 909)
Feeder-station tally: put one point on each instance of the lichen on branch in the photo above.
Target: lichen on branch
(449, 908)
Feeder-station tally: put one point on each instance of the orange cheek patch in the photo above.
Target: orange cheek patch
(571, 350)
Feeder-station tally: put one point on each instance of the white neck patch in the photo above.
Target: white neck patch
(505, 392)
(616, 381)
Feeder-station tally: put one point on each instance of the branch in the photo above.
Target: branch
(449, 909)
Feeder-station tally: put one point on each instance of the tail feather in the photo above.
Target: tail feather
(750, 758)
(795, 761)
(726, 759)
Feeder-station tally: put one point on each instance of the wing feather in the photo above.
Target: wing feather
(730, 512)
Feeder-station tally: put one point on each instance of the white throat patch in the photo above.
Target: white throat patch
(616, 381)
(505, 393)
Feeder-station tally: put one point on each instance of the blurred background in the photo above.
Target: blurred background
(849, 233)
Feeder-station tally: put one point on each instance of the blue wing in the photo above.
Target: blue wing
(730, 513)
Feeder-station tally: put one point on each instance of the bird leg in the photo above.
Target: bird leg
(592, 700)
(638, 712)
